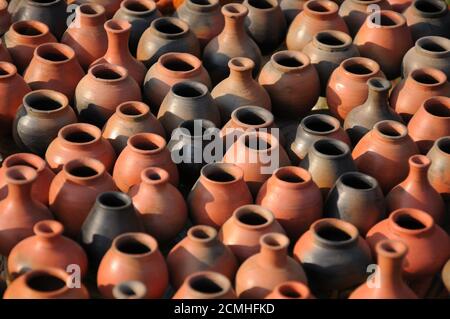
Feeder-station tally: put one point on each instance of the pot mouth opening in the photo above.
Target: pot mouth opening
(290, 59)
(358, 181)
(221, 172)
(108, 72)
(204, 3)
(391, 129)
(253, 216)
(48, 228)
(409, 222)
(234, 10)
(263, 4)
(207, 284)
(178, 64)
(420, 161)
(139, 6)
(190, 89)
(331, 147)
(133, 246)
(333, 234)
(255, 142)
(321, 6)
(20, 175)
(320, 124)
(30, 28)
(117, 25)
(274, 241)
(133, 109)
(430, 6)
(154, 175)
(45, 282)
(45, 100)
(91, 9)
(202, 233)
(360, 66)
(114, 200)
(434, 44)
(292, 175)
(429, 76)
(386, 19)
(241, 64)
(25, 159)
(335, 39)
(45, 2)
(55, 52)
(253, 116)
(83, 171)
(438, 106)
(7, 69)
(80, 135)
(170, 26)
(131, 289)
(379, 84)
(147, 142)
(334, 231)
(443, 144)
(391, 248)
(293, 290)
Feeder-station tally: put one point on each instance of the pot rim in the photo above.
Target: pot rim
(20, 175)
(253, 209)
(152, 138)
(343, 148)
(25, 159)
(370, 64)
(217, 278)
(159, 22)
(290, 288)
(9, 69)
(262, 113)
(154, 176)
(187, 58)
(399, 128)
(117, 69)
(64, 49)
(48, 229)
(53, 95)
(339, 35)
(341, 225)
(304, 177)
(436, 74)
(416, 214)
(149, 4)
(321, 118)
(274, 5)
(397, 18)
(88, 162)
(38, 25)
(303, 60)
(142, 238)
(208, 234)
(90, 129)
(228, 168)
(437, 100)
(142, 108)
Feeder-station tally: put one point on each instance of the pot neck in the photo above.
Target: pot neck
(89, 15)
(390, 259)
(118, 38)
(378, 95)
(234, 15)
(274, 250)
(418, 170)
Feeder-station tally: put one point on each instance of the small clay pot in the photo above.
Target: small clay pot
(206, 285)
(290, 290)
(131, 289)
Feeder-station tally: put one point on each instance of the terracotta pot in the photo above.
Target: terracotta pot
(437, 173)
(166, 35)
(118, 32)
(85, 177)
(317, 15)
(294, 199)
(242, 231)
(219, 191)
(446, 276)
(430, 122)
(42, 114)
(356, 198)
(259, 154)
(232, 42)
(291, 8)
(140, 14)
(351, 76)
(54, 66)
(326, 160)
(47, 248)
(429, 51)
(5, 17)
(281, 78)
(111, 6)
(239, 89)
(251, 279)
(429, 17)
(53, 13)
(86, 34)
(187, 100)
(12, 86)
(172, 68)
(400, 5)
(391, 258)
(19, 210)
(383, 153)
(22, 38)
(327, 50)
(4, 54)
(131, 289)
(79, 140)
(41, 185)
(201, 250)
(428, 244)
(203, 17)
(47, 283)
(160, 206)
(133, 256)
(291, 290)
(376, 108)
(421, 84)
(206, 285)
(375, 40)
(130, 118)
(143, 150)
(333, 255)
(313, 128)
(113, 214)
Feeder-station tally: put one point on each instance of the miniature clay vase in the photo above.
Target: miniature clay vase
(282, 77)
(258, 153)
(130, 118)
(291, 8)
(12, 86)
(131, 289)
(291, 290)
(375, 40)
(239, 89)
(390, 260)
(219, 191)
(376, 108)
(79, 140)
(85, 177)
(421, 84)
(41, 185)
(428, 51)
(46, 283)
(356, 198)
(200, 250)
(140, 14)
(166, 35)
(42, 114)
(160, 206)
(293, 198)
(251, 281)
(327, 50)
(54, 66)
(19, 210)
(170, 69)
(317, 15)
(430, 122)
(242, 231)
(206, 285)
(383, 153)
(133, 256)
(446, 276)
(334, 256)
(86, 34)
(22, 38)
(47, 248)
(438, 173)
(232, 42)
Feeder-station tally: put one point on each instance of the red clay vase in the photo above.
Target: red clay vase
(242, 231)
(291, 290)
(131, 289)
(383, 153)
(292, 82)
(200, 250)
(19, 210)
(294, 199)
(206, 285)
(47, 248)
(252, 281)
(143, 150)
(79, 140)
(73, 192)
(133, 256)
(438, 174)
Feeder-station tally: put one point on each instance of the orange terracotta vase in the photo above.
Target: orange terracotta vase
(291, 290)
(206, 285)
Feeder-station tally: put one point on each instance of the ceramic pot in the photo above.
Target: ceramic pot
(206, 285)
(291, 8)
(5, 17)
(438, 173)
(291, 290)
(42, 114)
(111, 6)
(131, 289)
